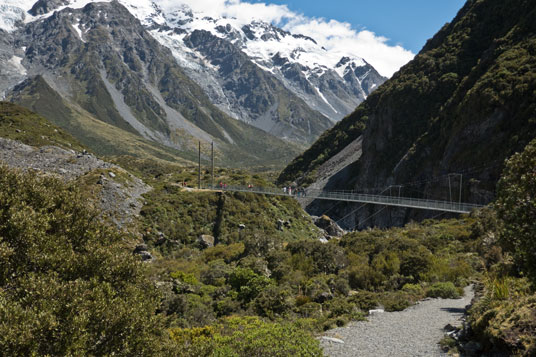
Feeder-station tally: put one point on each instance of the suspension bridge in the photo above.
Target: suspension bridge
(350, 196)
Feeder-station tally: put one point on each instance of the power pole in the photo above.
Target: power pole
(199, 169)
(461, 185)
(461, 177)
(212, 149)
(450, 191)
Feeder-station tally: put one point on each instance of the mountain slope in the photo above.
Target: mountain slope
(331, 83)
(101, 59)
(97, 55)
(463, 105)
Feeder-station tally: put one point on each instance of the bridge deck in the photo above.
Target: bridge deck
(348, 196)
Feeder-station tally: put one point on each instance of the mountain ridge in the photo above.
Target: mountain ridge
(314, 93)
(462, 106)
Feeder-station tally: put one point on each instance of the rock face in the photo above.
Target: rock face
(121, 201)
(442, 124)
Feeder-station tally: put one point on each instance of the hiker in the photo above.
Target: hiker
(285, 189)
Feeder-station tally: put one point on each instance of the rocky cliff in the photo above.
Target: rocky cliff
(449, 117)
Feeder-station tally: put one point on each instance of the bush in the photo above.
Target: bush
(365, 300)
(67, 285)
(228, 253)
(443, 290)
(395, 301)
(516, 206)
(246, 336)
(274, 301)
(247, 283)
(413, 289)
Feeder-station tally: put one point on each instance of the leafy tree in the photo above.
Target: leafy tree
(516, 206)
(67, 284)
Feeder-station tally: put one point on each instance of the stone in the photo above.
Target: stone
(449, 328)
(140, 248)
(146, 256)
(328, 225)
(332, 339)
(323, 297)
(472, 348)
(206, 241)
(112, 175)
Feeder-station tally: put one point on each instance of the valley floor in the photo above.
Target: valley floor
(415, 331)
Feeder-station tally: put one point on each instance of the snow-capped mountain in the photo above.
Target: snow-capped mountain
(328, 82)
(285, 84)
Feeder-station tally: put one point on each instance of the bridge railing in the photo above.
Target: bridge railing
(351, 196)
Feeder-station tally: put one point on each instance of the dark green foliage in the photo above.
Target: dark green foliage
(445, 290)
(245, 337)
(67, 284)
(467, 100)
(247, 283)
(183, 216)
(516, 207)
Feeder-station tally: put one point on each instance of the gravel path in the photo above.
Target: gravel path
(415, 331)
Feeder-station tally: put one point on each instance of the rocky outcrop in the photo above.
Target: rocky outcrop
(206, 241)
(331, 227)
(119, 199)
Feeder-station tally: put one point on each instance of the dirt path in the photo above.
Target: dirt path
(415, 331)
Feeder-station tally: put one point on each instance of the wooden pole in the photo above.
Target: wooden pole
(199, 169)
(212, 152)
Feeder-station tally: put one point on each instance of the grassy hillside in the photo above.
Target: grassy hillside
(18, 123)
(253, 147)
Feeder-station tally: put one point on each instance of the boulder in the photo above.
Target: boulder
(146, 256)
(141, 248)
(328, 225)
(206, 240)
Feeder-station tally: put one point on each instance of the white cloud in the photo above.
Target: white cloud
(335, 36)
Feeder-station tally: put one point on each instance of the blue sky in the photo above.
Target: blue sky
(407, 23)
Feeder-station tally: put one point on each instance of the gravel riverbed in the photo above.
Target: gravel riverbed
(415, 331)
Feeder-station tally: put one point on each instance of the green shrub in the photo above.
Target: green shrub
(365, 300)
(445, 290)
(395, 301)
(413, 289)
(274, 301)
(67, 284)
(247, 283)
(187, 278)
(245, 337)
(516, 207)
(228, 253)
